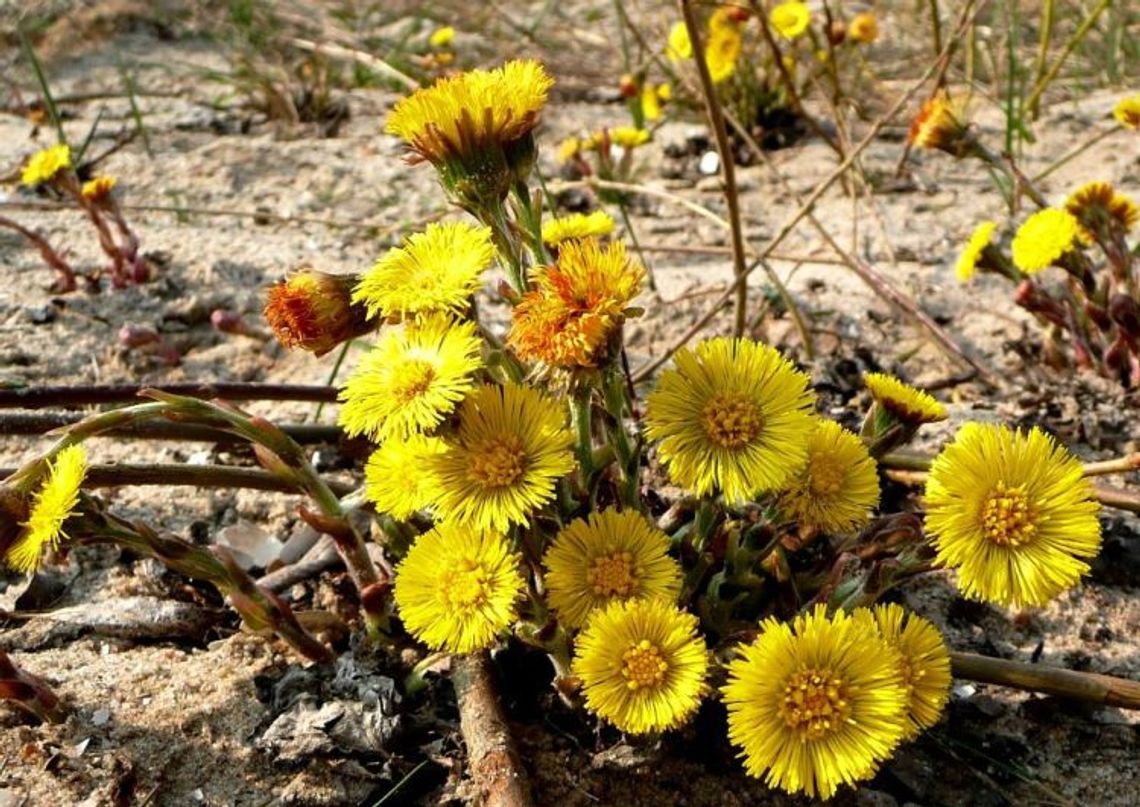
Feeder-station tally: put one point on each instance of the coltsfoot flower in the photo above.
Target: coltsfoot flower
(46, 164)
(733, 416)
(1127, 112)
(51, 507)
(838, 489)
(578, 303)
(609, 556)
(924, 662)
(863, 28)
(398, 477)
(314, 311)
(817, 703)
(458, 589)
(1013, 513)
(577, 225)
(722, 52)
(511, 448)
(627, 137)
(679, 47)
(942, 124)
(411, 379)
(438, 269)
(1043, 239)
(904, 402)
(980, 238)
(642, 665)
(98, 189)
(1101, 210)
(790, 19)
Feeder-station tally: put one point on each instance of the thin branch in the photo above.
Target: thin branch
(1084, 686)
(358, 56)
(28, 423)
(84, 395)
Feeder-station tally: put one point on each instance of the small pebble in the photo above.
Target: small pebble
(710, 163)
(101, 717)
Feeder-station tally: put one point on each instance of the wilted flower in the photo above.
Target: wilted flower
(314, 311)
(942, 125)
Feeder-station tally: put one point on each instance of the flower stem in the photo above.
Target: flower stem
(1085, 686)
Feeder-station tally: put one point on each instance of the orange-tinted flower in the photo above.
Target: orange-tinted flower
(941, 125)
(314, 311)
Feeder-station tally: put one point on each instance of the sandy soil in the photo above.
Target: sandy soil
(182, 722)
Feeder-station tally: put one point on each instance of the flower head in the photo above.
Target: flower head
(790, 19)
(577, 225)
(576, 305)
(923, 661)
(568, 149)
(838, 488)
(650, 103)
(475, 128)
(863, 28)
(438, 269)
(511, 448)
(1043, 239)
(908, 404)
(815, 704)
(45, 164)
(314, 311)
(98, 189)
(722, 51)
(627, 137)
(1012, 512)
(411, 379)
(1127, 112)
(52, 506)
(609, 556)
(679, 46)
(442, 37)
(980, 238)
(398, 478)
(457, 589)
(941, 124)
(733, 416)
(642, 665)
(1100, 209)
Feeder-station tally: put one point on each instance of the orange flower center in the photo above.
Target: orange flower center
(643, 666)
(612, 575)
(466, 587)
(815, 703)
(412, 379)
(498, 462)
(731, 420)
(825, 477)
(1008, 516)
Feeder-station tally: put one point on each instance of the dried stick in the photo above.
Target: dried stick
(1084, 686)
(28, 423)
(40, 397)
(52, 258)
(494, 762)
(358, 56)
(727, 167)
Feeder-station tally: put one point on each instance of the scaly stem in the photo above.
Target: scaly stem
(581, 418)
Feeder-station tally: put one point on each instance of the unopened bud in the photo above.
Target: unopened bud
(314, 311)
(232, 322)
(627, 86)
(837, 32)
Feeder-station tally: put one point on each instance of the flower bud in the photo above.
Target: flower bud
(314, 311)
(627, 86)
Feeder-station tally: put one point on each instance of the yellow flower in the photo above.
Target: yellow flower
(924, 662)
(568, 149)
(967, 263)
(98, 189)
(628, 137)
(790, 19)
(722, 51)
(577, 305)
(1043, 239)
(906, 403)
(650, 103)
(398, 478)
(457, 589)
(45, 164)
(442, 37)
(511, 448)
(51, 507)
(642, 665)
(733, 416)
(314, 311)
(816, 704)
(863, 28)
(411, 379)
(612, 556)
(664, 92)
(679, 47)
(1013, 513)
(577, 225)
(436, 270)
(475, 128)
(1127, 112)
(838, 488)
(941, 124)
(1100, 209)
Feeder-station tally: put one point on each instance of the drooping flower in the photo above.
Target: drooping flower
(941, 124)
(46, 164)
(924, 662)
(906, 403)
(98, 189)
(1101, 210)
(609, 556)
(790, 19)
(817, 703)
(576, 306)
(398, 477)
(733, 417)
(838, 488)
(51, 507)
(1127, 112)
(1043, 239)
(980, 238)
(679, 46)
(511, 448)
(1013, 513)
(476, 128)
(438, 269)
(642, 665)
(411, 379)
(577, 225)
(314, 311)
(863, 28)
(457, 589)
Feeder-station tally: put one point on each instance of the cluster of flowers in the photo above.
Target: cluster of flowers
(1096, 306)
(512, 480)
(52, 168)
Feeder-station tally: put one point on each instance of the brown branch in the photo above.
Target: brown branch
(1084, 686)
(494, 762)
(40, 397)
(29, 423)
